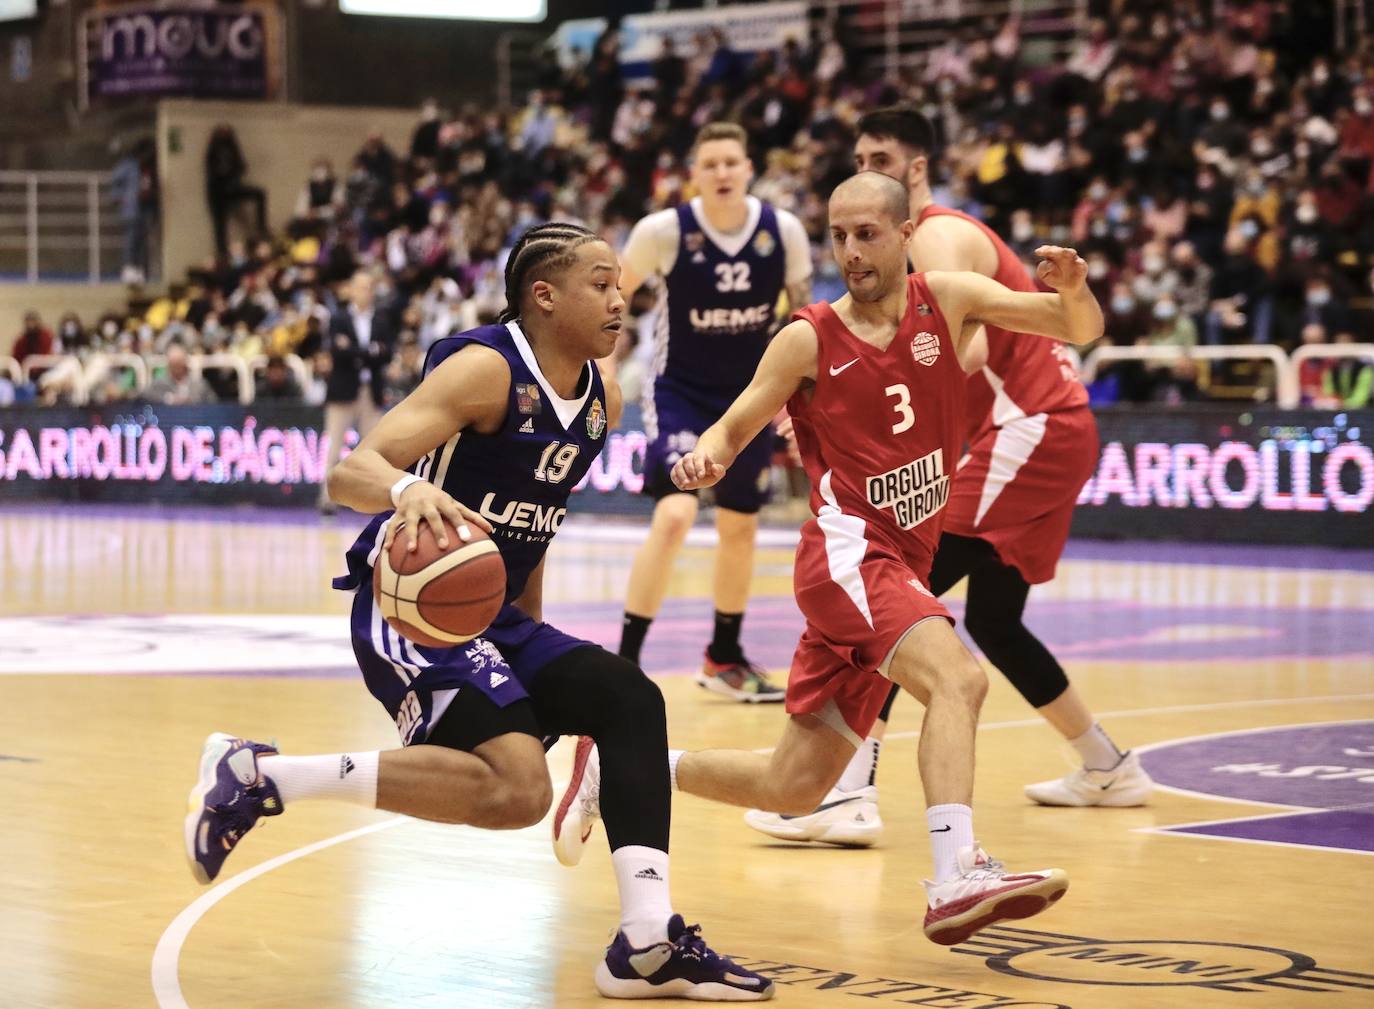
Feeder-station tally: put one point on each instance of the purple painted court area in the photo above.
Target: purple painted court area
(1328, 769)
(1348, 829)
(1104, 631)
(1305, 766)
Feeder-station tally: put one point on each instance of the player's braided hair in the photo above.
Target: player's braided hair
(540, 252)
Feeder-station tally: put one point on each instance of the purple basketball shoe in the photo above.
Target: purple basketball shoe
(227, 802)
(683, 967)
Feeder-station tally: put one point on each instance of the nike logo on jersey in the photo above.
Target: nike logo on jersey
(835, 371)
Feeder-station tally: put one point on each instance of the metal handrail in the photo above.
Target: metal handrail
(1332, 350)
(1286, 374)
(12, 366)
(101, 363)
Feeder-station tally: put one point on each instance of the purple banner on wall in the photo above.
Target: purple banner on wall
(170, 52)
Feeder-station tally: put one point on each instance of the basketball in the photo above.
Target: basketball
(439, 597)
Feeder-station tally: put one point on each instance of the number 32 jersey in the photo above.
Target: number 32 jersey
(881, 432)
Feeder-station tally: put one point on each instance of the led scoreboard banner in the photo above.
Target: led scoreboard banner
(1228, 475)
(1208, 474)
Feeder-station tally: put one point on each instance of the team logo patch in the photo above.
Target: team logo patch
(596, 419)
(694, 240)
(925, 348)
(527, 399)
(764, 244)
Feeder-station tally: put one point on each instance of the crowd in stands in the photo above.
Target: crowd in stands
(1215, 170)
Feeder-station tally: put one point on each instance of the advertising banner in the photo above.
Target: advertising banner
(170, 51)
(1207, 475)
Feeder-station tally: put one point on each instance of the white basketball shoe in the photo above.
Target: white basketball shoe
(983, 894)
(580, 807)
(1126, 784)
(847, 818)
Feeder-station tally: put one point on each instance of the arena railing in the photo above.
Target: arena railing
(59, 366)
(199, 363)
(1285, 373)
(1331, 351)
(101, 365)
(11, 367)
(58, 225)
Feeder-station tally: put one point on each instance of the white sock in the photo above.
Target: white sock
(673, 757)
(951, 828)
(862, 767)
(641, 875)
(1097, 750)
(348, 777)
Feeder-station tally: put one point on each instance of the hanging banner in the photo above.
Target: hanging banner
(221, 52)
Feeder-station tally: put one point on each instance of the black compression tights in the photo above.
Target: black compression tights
(593, 692)
(993, 617)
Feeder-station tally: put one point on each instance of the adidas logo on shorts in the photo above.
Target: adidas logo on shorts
(497, 679)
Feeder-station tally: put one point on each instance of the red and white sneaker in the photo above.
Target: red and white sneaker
(983, 894)
(580, 807)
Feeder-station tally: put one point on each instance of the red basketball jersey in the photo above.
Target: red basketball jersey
(881, 432)
(1024, 374)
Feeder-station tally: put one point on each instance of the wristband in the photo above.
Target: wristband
(399, 488)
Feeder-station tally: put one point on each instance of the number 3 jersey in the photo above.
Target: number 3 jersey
(880, 434)
(518, 477)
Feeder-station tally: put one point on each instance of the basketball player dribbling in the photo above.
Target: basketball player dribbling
(723, 259)
(1032, 445)
(876, 389)
(507, 419)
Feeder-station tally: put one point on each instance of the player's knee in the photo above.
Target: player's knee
(965, 681)
(674, 517)
(512, 805)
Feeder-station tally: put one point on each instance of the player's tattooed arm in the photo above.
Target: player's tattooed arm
(788, 363)
(469, 390)
(1071, 315)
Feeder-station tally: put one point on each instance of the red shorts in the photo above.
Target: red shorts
(1017, 486)
(859, 598)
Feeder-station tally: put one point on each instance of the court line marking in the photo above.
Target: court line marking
(167, 954)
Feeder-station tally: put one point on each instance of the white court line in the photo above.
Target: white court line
(167, 983)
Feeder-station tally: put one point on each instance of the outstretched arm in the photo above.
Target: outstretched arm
(469, 390)
(1071, 314)
(789, 361)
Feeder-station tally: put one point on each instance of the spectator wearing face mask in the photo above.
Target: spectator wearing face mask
(1349, 381)
(1312, 371)
(1321, 306)
(1209, 210)
(1126, 319)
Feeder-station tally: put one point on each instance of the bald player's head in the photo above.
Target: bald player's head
(870, 226)
(876, 190)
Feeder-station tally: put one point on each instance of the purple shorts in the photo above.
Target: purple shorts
(416, 683)
(673, 421)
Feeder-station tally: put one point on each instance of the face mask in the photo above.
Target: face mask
(1136, 155)
(1097, 269)
(1306, 213)
(1165, 311)
(1153, 264)
(1205, 183)
(1098, 191)
(1261, 149)
(1362, 108)
(70, 329)
(1022, 231)
(1318, 296)
(1078, 122)
(1220, 112)
(1320, 75)
(1122, 304)
(1098, 228)
(1248, 230)
(108, 330)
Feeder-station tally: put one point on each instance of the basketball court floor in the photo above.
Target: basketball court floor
(128, 634)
